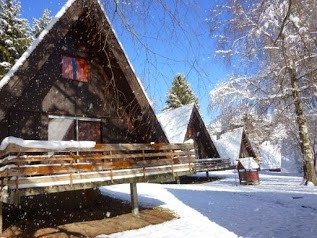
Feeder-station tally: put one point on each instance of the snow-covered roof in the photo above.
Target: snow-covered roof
(175, 122)
(54, 145)
(249, 163)
(229, 144)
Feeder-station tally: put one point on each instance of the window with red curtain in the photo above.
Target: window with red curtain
(75, 68)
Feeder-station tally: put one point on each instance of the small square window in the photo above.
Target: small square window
(75, 68)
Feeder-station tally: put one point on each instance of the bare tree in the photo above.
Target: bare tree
(153, 27)
(277, 40)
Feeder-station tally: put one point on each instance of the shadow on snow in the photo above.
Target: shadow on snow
(255, 214)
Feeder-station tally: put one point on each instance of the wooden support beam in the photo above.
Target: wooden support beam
(134, 198)
(1, 217)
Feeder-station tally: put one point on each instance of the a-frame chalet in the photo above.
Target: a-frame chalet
(185, 123)
(75, 83)
(234, 144)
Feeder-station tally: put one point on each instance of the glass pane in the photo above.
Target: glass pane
(67, 67)
(62, 129)
(82, 70)
(89, 130)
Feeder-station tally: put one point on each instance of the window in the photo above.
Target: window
(74, 128)
(75, 68)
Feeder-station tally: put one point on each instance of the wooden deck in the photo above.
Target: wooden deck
(30, 171)
(212, 164)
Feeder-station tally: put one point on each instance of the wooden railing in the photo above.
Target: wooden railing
(212, 164)
(29, 171)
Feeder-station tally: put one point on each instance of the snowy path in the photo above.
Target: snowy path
(278, 207)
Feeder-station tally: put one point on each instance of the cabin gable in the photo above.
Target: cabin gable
(234, 145)
(100, 84)
(185, 123)
(246, 149)
(198, 132)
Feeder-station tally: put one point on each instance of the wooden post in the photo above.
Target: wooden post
(178, 180)
(134, 199)
(1, 217)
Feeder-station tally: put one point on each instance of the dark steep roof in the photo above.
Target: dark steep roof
(24, 71)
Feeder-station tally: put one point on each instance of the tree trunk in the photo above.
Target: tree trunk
(305, 145)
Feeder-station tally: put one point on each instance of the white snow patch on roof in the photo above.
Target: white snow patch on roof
(41, 144)
(228, 145)
(249, 163)
(175, 122)
(28, 52)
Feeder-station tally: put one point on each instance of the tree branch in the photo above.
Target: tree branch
(288, 13)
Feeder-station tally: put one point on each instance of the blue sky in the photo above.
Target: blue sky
(170, 51)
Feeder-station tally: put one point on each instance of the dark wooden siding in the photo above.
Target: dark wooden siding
(28, 124)
(198, 132)
(106, 96)
(246, 149)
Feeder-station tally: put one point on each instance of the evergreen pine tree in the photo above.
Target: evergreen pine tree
(14, 34)
(180, 93)
(40, 24)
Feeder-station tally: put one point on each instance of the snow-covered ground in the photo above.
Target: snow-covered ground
(278, 207)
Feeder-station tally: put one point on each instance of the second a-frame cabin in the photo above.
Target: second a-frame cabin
(184, 124)
(75, 84)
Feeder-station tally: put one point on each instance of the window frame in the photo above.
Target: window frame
(72, 69)
(77, 121)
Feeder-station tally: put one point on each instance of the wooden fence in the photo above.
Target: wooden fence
(212, 164)
(30, 171)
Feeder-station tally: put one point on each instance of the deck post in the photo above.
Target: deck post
(1, 217)
(134, 198)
